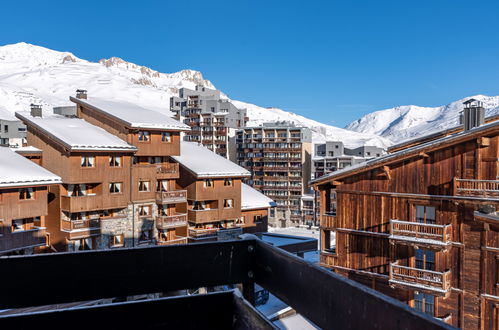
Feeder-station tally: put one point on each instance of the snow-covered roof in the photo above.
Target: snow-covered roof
(76, 134)
(253, 199)
(372, 163)
(7, 115)
(132, 115)
(15, 170)
(26, 149)
(205, 163)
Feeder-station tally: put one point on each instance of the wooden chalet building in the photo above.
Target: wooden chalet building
(254, 210)
(156, 199)
(23, 203)
(422, 224)
(213, 185)
(89, 210)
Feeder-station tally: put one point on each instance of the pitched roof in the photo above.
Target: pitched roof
(408, 152)
(253, 199)
(15, 170)
(76, 134)
(205, 163)
(132, 115)
(7, 115)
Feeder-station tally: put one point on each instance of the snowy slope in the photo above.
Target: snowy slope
(410, 121)
(33, 74)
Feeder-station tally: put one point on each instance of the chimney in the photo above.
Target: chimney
(81, 94)
(36, 110)
(473, 114)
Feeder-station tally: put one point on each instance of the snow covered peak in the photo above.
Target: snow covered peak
(410, 121)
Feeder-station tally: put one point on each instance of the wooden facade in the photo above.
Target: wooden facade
(421, 225)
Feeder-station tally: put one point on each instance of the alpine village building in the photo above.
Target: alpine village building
(121, 184)
(422, 224)
(24, 189)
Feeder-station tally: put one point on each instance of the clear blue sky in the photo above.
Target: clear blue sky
(329, 60)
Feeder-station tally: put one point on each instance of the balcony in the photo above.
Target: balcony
(171, 197)
(476, 188)
(203, 216)
(74, 204)
(159, 171)
(80, 224)
(23, 239)
(175, 241)
(328, 220)
(420, 233)
(327, 300)
(202, 233)
(416, 278)
(328, 260)
(177, 220)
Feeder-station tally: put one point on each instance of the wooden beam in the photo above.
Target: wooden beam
(386, 170)
(423, 154)
(336, 183)
(483, 141)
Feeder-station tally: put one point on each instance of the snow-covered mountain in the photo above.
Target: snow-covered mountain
(33, 74)
(410, 121)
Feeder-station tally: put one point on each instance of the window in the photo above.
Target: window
(77, 189)
(162, 185)
(18, 225)
(118, 240)
(144, 210)
(115, 188)
(81, 244)
(87, 161)
(166, 137)
(145, 236)
(199, 206)
(424, 303)
(26, 193)
(6, 128)
(154, 159)
(425, 259)
(143, 136)
(227, 182)
(425, 214)
(208, 183)
(228, 203)
(257, 219)
(115, 161)
(144, 186)
(330, 241)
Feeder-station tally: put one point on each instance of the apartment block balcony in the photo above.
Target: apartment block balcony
(170, 221)
(177, 240)
(203, 233)
(328, 220)
(328, 259)
(476, 188)
(415, 278)
(221, 131)
(408, 232)
(23, 239)
(171, 197)
(203, 216)
(74, 204)
(70, 225)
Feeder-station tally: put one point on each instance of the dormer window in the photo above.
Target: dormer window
(166, 137)
(87, 161)
(144, 136)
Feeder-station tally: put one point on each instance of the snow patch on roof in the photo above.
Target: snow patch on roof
(7, 115)
(76, 133)
(15, 170)
(134, 115)
(205, 163)
(253, 199)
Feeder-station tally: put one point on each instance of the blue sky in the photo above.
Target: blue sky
(332, 61)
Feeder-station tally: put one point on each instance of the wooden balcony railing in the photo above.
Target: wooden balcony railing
(328, 259)
(80, 224)
(177, 240)
(420, 231)
(195, 232)
(328, 220)
(415, 277)
(23, 239)
(470, 187)
(168, 197)
(203, 216)
(75, 204)
(177, 220)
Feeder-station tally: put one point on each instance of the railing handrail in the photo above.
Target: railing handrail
(395, 265)
(477, 180)
(419, 223)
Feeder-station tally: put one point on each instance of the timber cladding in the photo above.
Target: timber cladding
(412, 227)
